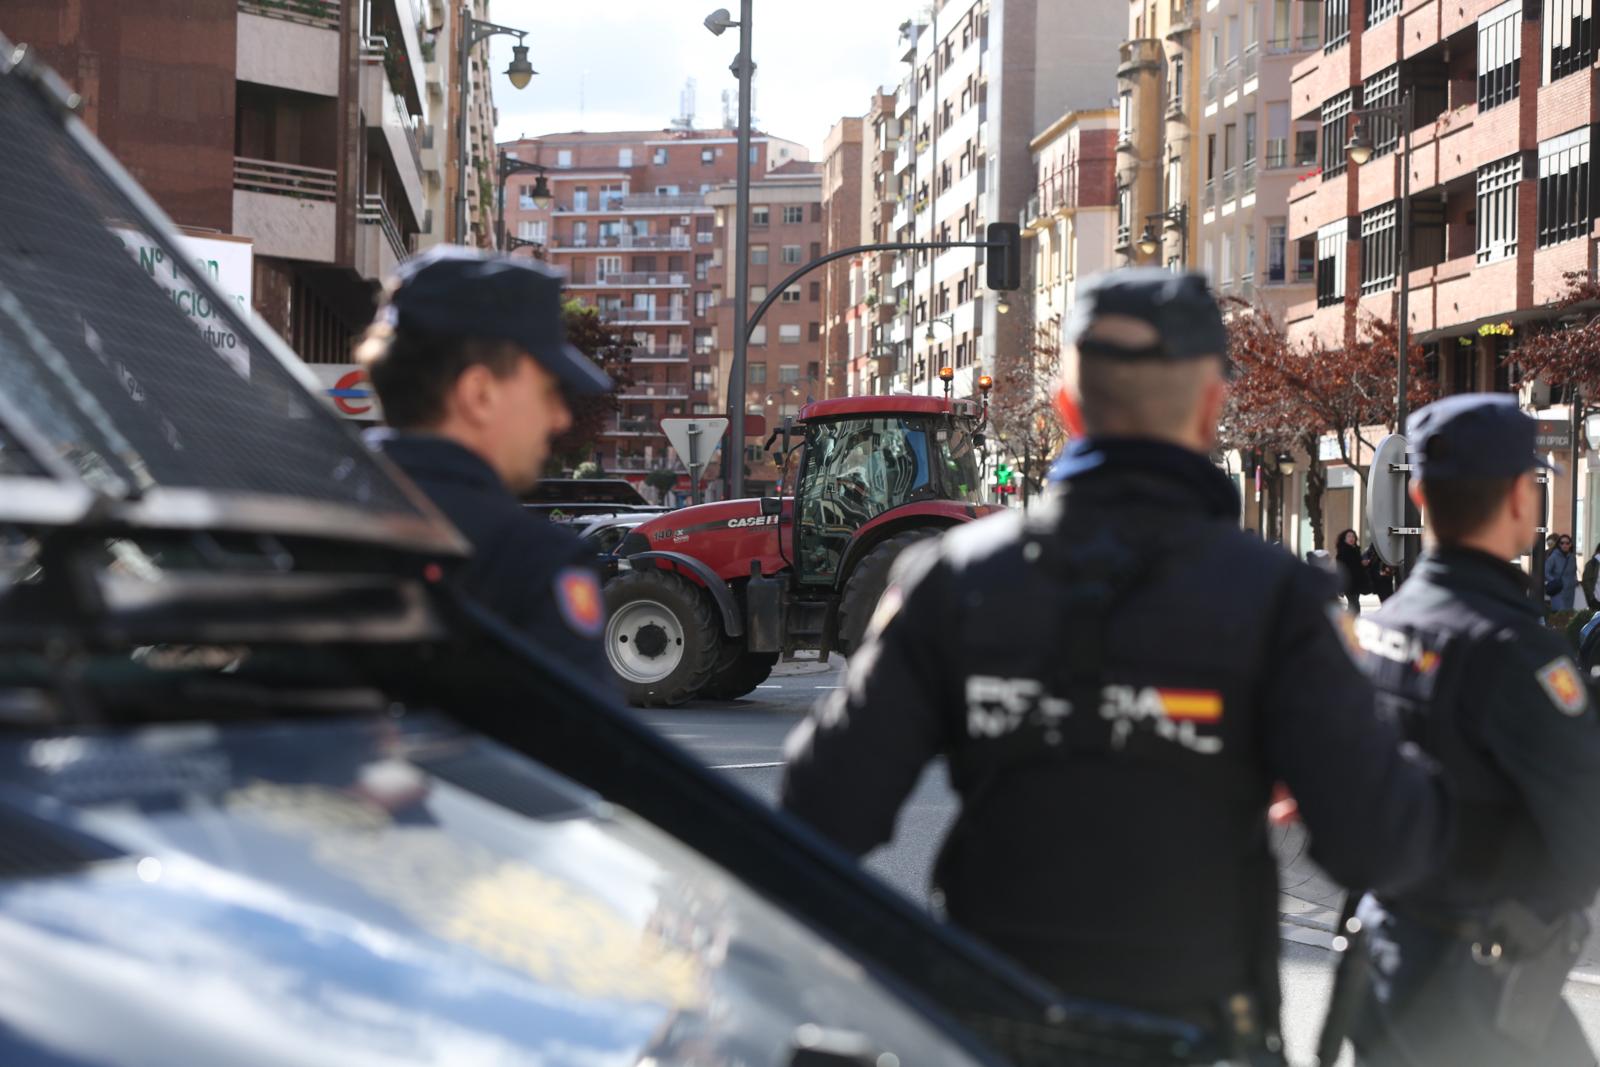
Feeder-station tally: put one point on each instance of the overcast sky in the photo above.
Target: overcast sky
(621, 64)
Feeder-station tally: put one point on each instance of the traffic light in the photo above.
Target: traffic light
(1003, 262)
(1002, 474)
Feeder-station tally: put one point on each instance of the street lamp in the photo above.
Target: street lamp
(474, 32)
(719, 22)
(1002, 305)
(511, 244)
(1285, 464)
(1360, 150)
(1149, 242)
(541, 196)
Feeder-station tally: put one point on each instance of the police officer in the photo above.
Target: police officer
(1118, 678)
(1468, 965)
(469, 358)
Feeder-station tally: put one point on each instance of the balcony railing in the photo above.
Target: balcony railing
(1277, 153)
(1209, 197)
(323, 14)
(1247, 178)
(651, 314)
(629, 240)
(1250, 66)
(374, 212)
(631, 426)
(635, 278)
(653, 391)
(639, 202)
(1213, 82)
(284, 179)
(1229, 186)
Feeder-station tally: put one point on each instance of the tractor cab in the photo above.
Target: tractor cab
(863, 457)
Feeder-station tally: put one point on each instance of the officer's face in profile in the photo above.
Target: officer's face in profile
(513, 418)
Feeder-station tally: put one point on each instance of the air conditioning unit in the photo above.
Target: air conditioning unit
(683, 220)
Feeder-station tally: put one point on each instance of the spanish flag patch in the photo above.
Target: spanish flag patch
(578, 597)
(1565, 688)
(1191, 705)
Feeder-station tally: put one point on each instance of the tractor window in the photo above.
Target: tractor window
(856, 469)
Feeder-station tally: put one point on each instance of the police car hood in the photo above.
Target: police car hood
(394, 893)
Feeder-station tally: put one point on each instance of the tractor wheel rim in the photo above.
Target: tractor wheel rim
(661, 650)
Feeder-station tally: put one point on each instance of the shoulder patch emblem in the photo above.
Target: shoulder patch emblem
(1564, 686)
(578, 596)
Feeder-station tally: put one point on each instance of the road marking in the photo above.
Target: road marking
(769, 687)
(827, 687)
(744, 766)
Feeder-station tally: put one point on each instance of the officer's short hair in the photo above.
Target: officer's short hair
(412, 371)
(1460, 507)
(1147, 397)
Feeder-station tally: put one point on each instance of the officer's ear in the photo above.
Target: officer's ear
(472, 398)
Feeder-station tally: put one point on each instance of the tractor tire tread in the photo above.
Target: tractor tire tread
(681, 685)
(867, 582)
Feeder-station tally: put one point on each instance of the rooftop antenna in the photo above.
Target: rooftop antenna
(685, 119)
(727, 110)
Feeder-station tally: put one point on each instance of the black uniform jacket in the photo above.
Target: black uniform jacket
(536, 576)
(1113, 831)
(1496, 697)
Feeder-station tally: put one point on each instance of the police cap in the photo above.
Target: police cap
(1473, 435)
(1179, 306)
(458, 291)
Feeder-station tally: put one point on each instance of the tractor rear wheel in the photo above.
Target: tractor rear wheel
(738, 672)
(661, 636)
(867, 582)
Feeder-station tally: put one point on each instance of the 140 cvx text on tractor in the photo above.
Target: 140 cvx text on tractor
(709, 597)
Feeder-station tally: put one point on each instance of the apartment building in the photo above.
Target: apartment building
(1158, 106)
(631, 227)
(308, 134)
(1249, 151)
(785, 364)
(842, 153)
(981, 75)
(1069, 224)
(870, 365)
(1502, 203)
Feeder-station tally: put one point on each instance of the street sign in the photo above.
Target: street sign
(694, 440)
(1386, 500)
(1555, 435)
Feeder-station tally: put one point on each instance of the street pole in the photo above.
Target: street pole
(464, 87)
(1403, 327)
(744, 70)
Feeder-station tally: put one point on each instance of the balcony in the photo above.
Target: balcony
(289, 44)
(634, 279)
(1213, 83)
(387, 114)
(903, 155)
(653, 391)
(1141, 53)
(1247, 178)
(677, 315)
(652, 241)
(663, 355)
(289, 210)
(380, 246)
(631, 428)
(1250, 63)
(657, 203)
(901, 275)
(1209, 197)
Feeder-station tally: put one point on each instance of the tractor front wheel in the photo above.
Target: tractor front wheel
(661, 636)
(738, 672)
(867, 583)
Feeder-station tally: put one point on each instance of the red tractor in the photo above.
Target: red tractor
(708, 598)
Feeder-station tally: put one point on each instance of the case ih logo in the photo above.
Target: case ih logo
(753, 520)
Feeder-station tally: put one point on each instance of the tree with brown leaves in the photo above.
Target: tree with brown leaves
(1569, 354)
(595, 338)
(1022, 406)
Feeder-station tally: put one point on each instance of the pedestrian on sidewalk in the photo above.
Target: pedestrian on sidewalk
(1560, 573)
(1380, 576)
(1467, 966)
(1114, 779)
(1352, 569)
(1591, 573)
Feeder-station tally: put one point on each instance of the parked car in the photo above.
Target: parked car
(564, 499)
(272, 792)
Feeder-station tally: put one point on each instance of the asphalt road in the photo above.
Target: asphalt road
(744, 739)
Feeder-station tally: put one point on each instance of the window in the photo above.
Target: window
(1125, 118)
(791, 253)
(532, 231)
(1497, 209)
(789, 373)
(659, 157)
(1335, 133)
(1124, 216)
(624, 157)
(1335, 23)
(1564, 203)
(708, 156)
(758, 336)
(702, 268)
(790, 295)
(1378, 10)
(704, 341)
(705, 379)
(1174, 84)
(1305, 146)
(1568, 37)
(1278, 133)
(1225, 271)
(702, 304)
(1379, 255)
(1230, 146)
(816, 292)
(814, 333)
(1277, 249)
(793, 214)
(606, 266)
(1305, 259)
(756, 373)
(1249, 138)
(760, 216)
(564, 157)
(580, 198)
(1382, 90)
(758, 255)
(1330, 262)
(1311, 19)
(580, 234)
(758, 293)
(1280, 33)
(1499, 54)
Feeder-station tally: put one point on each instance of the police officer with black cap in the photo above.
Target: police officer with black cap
(1467, 966)
(469, 358)
(1113, 734)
